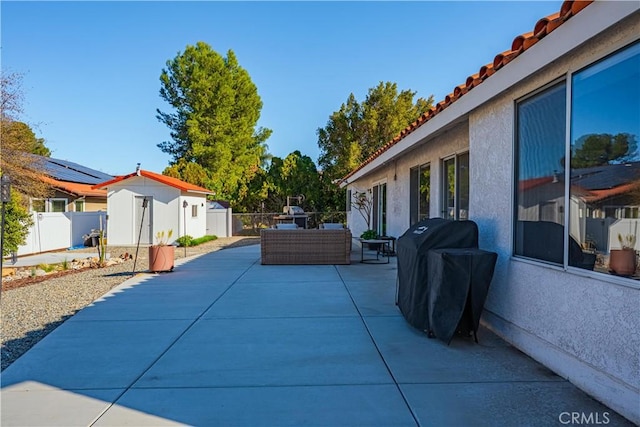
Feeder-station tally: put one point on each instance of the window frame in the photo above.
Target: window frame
(567, 78)
(415, 196)
(456, 191)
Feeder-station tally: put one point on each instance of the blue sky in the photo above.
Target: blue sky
(91, 69)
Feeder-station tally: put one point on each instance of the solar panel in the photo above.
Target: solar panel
(64, 170)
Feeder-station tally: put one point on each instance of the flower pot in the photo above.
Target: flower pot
(622, 261)
(161, 258)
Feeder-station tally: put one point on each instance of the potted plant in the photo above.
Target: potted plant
(623, 261)
(161, 255)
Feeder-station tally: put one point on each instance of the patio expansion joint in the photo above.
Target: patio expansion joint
(135, 380)
(261, 386)
(375, 344)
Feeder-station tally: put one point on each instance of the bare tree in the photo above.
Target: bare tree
(363, 204)
(16, 158)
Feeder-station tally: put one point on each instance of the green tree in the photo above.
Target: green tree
(21, 131)
(190, 172)
(17, 223)
(603, 149)
(216, 108)
(18, 143)
(357, 130)
(295, 175)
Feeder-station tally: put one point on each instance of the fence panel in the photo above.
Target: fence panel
(219, 222)
(82, 223)
(251, 223)
(53, 231)
(50, 231)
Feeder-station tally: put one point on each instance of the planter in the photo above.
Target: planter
(622, 261)
(161, 258)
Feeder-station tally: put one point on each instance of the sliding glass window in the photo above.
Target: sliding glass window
(591, 221)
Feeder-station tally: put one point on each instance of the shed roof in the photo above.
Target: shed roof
(521, 43)
(163, 179)
(75, 188)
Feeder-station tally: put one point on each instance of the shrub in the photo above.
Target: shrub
(369, 234)
(203, 239)
(185, 240)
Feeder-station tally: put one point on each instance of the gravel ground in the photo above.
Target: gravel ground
(33, 310)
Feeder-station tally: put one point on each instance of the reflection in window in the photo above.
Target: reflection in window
(58, 205)
(38, 205)
(605, 161)
(79, 205)
(379, 209)
(420, 192)
(541, 130)
(456, 187)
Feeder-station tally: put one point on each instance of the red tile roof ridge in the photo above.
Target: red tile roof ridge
(520, 44)
(540, 30)
(504, 58)
(519, 40)
(75, 188)
(164, 179)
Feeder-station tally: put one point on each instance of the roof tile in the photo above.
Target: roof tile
(521, 43)
(167, 180)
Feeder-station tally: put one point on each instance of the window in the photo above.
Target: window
(588, 221)
(49, 205)
(540, 135)
(380, 209)
(419, 192)
(79, 205)
(348, 200)
(57, 205)
(605, 160)
(38, 205)
(456, 187)
(194, 211)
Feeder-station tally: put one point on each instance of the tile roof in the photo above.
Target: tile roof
(520, 44)
(167, 180)
(75, 188)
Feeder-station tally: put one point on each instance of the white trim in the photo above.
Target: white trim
(590, 22)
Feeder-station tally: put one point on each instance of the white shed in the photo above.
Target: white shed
(171, 205)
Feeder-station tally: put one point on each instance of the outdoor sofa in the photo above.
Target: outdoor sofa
(305, 246)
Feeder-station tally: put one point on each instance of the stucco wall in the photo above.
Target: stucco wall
(582, 325)
(454, 141)
(584, 328)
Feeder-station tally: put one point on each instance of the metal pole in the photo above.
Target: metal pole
(184, 205)
(135, 260)
(2, 238)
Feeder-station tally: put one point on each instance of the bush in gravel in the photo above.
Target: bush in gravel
(190, 241)
(185, 240)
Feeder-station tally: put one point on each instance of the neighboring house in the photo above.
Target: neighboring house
(171, 205)
(494, 151)
(72, 188)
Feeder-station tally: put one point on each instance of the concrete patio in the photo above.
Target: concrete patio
(226, 341)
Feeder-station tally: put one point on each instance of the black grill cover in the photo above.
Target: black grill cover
(459, 283)
(413, 248)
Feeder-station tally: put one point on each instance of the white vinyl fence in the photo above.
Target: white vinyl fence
(219, 222)
(60, 230)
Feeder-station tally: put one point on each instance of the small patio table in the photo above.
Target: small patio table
(382, 248)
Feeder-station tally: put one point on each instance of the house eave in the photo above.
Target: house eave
(590, 22)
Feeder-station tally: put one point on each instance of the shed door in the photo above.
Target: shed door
(143, 226)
